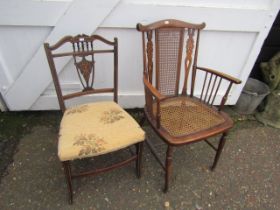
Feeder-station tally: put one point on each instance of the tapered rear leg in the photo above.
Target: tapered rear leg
(219, 150)
(68, 177)
(168, 165)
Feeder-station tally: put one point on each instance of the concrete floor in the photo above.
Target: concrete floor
(247, 176)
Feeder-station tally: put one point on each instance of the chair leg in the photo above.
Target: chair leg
(142, 121)
(219, 150)
(139, 151)
(68, 176)
(168, 163)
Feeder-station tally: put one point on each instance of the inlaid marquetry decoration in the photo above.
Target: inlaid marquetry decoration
(188, 59)
(84, 62)
(150, 55)
(85, 68)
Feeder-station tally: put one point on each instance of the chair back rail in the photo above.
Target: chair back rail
(83, 53)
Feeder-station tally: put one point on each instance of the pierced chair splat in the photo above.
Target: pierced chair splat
(92, 129)
(184, 116)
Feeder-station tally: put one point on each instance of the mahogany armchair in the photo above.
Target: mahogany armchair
(92, 129)
(186, 116)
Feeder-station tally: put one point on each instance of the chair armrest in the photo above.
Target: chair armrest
(210, 92)
(153, 90)
(224, 76)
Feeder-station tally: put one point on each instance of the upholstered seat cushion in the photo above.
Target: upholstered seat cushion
(96, 128)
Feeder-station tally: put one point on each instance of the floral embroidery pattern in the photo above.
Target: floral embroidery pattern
(78, 109)
(90, 143)
(111, 116)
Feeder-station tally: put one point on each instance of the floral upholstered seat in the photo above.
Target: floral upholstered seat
(96, 128)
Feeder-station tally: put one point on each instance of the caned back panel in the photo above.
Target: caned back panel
(169, 43)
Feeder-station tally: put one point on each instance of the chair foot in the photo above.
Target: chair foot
(139, 151)
(68, 177)
(168, 164)
(219, 151)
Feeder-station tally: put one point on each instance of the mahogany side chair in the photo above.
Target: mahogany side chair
(186, 116)
(97, 128)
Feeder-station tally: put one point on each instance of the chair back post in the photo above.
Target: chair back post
(147, 49)
(150, 52)
(188, 59)
(116, 69)
(55, 77)
(195, 63)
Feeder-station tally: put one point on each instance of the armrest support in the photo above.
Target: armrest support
(224, 76)
(209, 96)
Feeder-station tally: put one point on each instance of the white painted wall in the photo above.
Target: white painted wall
(235, 31)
